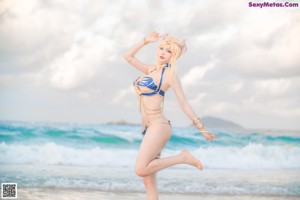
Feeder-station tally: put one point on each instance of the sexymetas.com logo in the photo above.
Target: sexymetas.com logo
(272, 4)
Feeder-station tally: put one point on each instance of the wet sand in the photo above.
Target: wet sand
(82, 194)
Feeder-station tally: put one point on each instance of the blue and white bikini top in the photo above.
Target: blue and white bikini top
(148, 82)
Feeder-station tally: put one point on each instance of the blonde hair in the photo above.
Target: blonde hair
(177, 48)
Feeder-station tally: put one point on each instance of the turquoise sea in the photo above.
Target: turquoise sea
(102, 157)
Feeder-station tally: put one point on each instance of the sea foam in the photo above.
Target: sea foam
(252, 156)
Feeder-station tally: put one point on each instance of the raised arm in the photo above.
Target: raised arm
(129, 55)
(187, 109)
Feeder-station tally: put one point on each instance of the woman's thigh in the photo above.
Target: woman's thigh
(155, 139)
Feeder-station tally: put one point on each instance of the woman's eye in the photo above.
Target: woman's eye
(161, 48)
(169, 51)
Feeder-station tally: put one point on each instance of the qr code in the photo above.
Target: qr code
(8, 190)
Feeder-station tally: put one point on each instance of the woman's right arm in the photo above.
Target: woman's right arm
(129, 55)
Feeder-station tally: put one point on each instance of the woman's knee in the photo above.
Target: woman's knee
(140, 171)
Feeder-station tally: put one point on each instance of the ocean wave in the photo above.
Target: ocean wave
(252, 156)
(129, 136)
(55, 154)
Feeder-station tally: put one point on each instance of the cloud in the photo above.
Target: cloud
(198, 100)
(213, 16)
(266, 49)
(31, 36)
(272, 87)
(81, 63)
(87, 96)
(236, 87)
(123, 98)
(195, 75)
(242, 63)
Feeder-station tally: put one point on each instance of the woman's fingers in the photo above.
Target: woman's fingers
(154, 36)
(210, 136)
(163, 36)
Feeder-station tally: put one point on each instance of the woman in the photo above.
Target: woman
(156, 127)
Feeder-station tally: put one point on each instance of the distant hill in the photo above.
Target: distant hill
(208, 121)
(121, 122)
(218, 123)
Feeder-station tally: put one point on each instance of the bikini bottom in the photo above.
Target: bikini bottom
(156, 121)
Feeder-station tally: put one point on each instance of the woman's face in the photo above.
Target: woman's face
(164, 54)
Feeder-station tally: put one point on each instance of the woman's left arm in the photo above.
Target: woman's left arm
(187, 109)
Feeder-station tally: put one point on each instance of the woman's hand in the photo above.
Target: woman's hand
(208, 135)
(154, 36)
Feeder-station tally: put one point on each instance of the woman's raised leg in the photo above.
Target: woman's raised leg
(153, 142)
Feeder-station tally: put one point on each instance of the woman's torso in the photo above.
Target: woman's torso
(151, 107)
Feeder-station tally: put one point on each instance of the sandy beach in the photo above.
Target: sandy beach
(78, 194)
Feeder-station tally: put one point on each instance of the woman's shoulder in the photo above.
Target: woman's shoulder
(151, 68)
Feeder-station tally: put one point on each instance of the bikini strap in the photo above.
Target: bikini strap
(158, 88)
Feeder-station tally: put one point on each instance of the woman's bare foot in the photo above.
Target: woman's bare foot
(188, 158)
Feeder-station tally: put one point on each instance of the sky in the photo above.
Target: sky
(61, 60)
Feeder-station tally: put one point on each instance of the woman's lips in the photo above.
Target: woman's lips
(161, 57)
